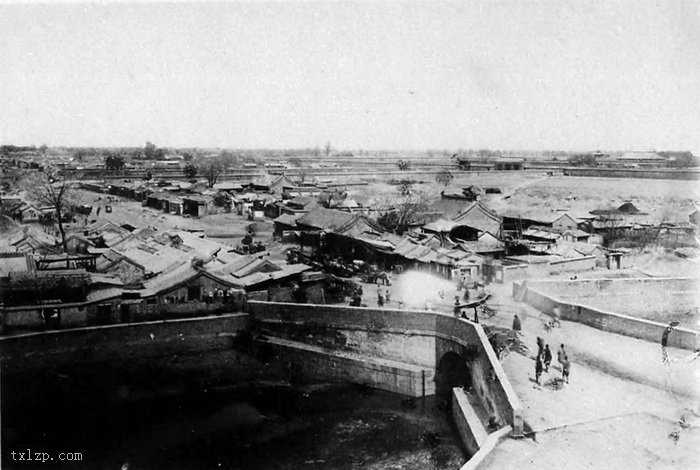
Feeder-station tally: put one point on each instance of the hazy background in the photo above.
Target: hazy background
(508, 75)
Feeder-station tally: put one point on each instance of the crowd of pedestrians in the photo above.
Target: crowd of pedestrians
(543, 361)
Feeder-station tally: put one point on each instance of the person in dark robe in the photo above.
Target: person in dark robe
(517, 327)
(538, 369)
(547, 357)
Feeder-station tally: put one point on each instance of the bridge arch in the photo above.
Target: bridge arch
(452, 371)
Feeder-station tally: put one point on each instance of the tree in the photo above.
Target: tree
(190, 171)
(52, 190)
(114, 163)
(585, 159)
(406, 209)
(680, 159)
(406, 188)
(80, 154)
(149, 176)
(222, 199)
(612, 231)
(403, 165)
(302, 174)
(330, 199)
(188, 157)
(328, 149)
(211, 169)
(445, 177)
(149, 151)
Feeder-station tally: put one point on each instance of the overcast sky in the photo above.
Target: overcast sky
(507, 75)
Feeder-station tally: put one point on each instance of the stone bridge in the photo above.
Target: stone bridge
(414, 353)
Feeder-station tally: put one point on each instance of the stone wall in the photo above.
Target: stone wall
(684, 338)
(489, 380)
(118, 343)
(655, 299)
(412, 337)
(585, 263)
(505, 274)
(634, 173)
(394, 334)
(471, 430)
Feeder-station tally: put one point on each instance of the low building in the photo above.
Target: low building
(285, 223)
(475, 220)
(515, 222)
(197, 206)
(508, 164)
(29, 213)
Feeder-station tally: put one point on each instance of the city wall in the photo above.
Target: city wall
(648, 330)
(504, 274)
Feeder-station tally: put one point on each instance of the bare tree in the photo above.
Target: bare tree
(52, 190)
(330, 199)
(612, 227)
(406, 208)
(211, 169)
(445, 177)
(302, 174)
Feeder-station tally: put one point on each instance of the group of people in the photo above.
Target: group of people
(383, 296)
(544, 360)
(356, 297)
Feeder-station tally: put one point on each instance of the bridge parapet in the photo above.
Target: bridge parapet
(415, 338)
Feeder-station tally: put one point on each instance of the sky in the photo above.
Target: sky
(552, 74)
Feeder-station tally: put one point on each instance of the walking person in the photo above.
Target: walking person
(566, 369)
(517, 327)
(547, 357)
(380, 298)
(538, 369)
(561, 353)
(540, 346)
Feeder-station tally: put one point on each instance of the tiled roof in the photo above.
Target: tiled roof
(544, 234)
(244, 266)
(541, 216)
(183, 273)
(480, 217)
(286, 219)
(326, 219)
(440, 226)
(284, 272)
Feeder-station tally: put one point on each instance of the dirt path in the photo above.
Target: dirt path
(618, 411)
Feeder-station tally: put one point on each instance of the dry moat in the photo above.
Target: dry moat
(262, 424)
